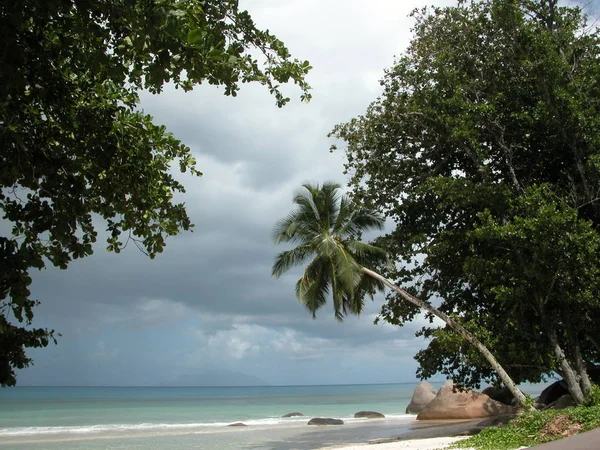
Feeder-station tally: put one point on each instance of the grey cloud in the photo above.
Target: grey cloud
(209, 301)
(265, 144)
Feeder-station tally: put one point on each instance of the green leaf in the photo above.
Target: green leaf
(195, 36)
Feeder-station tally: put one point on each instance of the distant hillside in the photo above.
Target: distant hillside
(217, 378)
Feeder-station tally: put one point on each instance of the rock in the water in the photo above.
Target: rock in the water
(553, 392)
(237, 424)
(325, 421)
(293, 414)
(448, 404)
(368, 415)
(563, 402)
(502, 395)
(423, 394)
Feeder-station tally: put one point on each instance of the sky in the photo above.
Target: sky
(207, 308)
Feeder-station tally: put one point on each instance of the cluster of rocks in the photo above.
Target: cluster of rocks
(326, 420)
(358, 415)
(452, 403)
(449, 402)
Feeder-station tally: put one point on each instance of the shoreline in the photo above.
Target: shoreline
(349, 435)
(372, 435)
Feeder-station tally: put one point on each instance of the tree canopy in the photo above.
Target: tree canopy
(483, 150)
(75, 145)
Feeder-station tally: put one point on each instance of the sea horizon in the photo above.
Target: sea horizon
(215, 385)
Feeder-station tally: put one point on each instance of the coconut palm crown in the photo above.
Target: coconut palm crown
(326, 227)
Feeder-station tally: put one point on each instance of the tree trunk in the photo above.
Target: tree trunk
(584, 379)
(568, 373)
(508, 382)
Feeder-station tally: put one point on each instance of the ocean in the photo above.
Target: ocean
(197, 418)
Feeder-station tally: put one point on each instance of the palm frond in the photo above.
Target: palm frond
(294, 230)
(285, 229)
(313, 288)
(313, 302)
(347, 269)
(370, 286)
(329, 196)
(354, 303)
(284, 261)
(325, 244)
(317, 267)
(330, 187)
(338, 300)
(300, 225)
(361, 220)
(343, 214)
(366, 286)
(305, 199)
(363, 250)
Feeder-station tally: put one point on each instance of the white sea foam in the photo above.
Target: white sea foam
(24, 431)
(142, 427)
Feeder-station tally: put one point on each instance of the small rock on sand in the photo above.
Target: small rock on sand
(368, 415)
(325, 421)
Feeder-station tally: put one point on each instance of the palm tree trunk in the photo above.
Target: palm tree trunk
(506, 379)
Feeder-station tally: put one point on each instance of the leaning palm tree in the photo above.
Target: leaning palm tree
(326, 228)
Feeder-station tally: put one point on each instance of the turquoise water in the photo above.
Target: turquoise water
(144, 417)
(24, 409)
(128, 418)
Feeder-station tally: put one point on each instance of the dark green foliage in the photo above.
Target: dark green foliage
(74, 144)
(534, 267)
(594, 399)
(483, 150)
